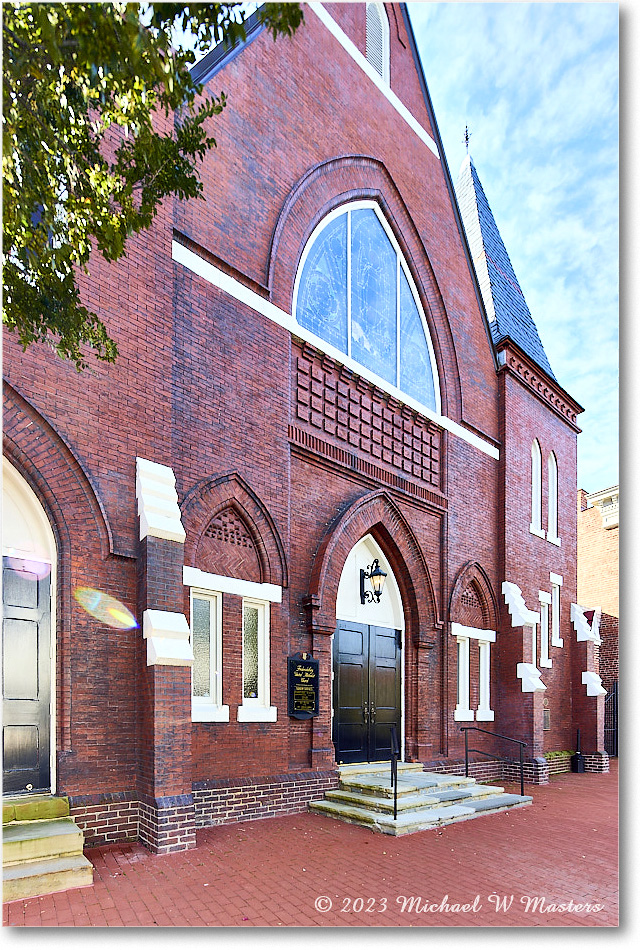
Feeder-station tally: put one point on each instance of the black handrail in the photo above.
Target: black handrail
(520, 742)
(394, 757)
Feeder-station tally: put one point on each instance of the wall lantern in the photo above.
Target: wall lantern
(377, 578)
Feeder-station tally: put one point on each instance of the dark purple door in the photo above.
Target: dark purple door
(26, 677)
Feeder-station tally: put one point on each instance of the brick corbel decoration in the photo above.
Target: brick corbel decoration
(377, 514)
(167, 817)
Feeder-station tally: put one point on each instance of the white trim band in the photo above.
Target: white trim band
(229, 285)
(473, 633)
(372, 74)
(218, 583)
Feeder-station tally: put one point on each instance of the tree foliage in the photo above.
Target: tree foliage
(101, 122)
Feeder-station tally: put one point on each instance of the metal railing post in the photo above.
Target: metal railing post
(466, 746)
(521, 767)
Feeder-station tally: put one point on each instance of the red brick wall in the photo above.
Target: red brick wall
(597, 562)
(529, 561)
(244, 415)
(608, 651)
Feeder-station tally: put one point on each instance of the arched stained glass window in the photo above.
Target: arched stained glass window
(354, 292)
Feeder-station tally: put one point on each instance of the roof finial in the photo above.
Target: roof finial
(466, 139)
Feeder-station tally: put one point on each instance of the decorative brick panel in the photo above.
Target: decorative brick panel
(344, 407)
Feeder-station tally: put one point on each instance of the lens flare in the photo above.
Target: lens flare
(105, 608)
(21, 565)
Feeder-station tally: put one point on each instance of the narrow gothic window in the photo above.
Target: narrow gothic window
(536, 489)
(354, 292)
(552, 534)
(378, 39)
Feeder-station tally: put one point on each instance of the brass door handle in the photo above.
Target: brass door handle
(366, 713)
(373, 711)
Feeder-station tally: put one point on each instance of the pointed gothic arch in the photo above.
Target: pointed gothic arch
(226, 506)
(378, 515)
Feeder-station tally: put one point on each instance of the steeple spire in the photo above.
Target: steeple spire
(506, 309)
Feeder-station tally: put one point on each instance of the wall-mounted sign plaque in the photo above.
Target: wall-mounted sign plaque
(303, 686)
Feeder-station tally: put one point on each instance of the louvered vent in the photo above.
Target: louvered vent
(375, 38)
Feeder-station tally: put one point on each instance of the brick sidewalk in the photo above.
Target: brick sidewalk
(269, 873)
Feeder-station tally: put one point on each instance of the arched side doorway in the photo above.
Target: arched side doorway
(367, 662)
(28, 637)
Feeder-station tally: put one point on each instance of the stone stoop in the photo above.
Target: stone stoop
(424, 799)
(42, 848)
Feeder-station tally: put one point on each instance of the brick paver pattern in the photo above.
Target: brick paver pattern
(561, 854)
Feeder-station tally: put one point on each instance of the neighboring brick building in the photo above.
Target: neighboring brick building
(598, 575)
(327, 362)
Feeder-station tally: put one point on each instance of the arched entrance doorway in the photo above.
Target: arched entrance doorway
(367, 662)
(28, 641)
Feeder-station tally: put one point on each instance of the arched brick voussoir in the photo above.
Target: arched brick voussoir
(377, 514)
(78, 521)
(214, 494)
(56, 475)
(325, 187)
(473, 574)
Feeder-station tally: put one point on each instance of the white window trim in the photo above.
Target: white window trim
(556, 610)
(211, 708)
(544, 603)
(552, 533)
(346, 358)
(463, 712)
(384, 24)
(220, 584)
(484, 712)
(536, 490)
(258, 709)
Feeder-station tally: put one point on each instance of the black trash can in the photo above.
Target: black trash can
(577, 762)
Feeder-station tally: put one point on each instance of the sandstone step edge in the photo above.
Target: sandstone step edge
(416, 821)
(24, 841)
(409, 803)
(38, 878)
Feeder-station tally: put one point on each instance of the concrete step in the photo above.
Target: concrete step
(424, 799)
(408, 783)
(36, 878)
(34, 808)
(433, 798)
(38, 840)
(424, 819)
(371, 768)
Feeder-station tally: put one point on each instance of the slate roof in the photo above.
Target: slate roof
(506, 309)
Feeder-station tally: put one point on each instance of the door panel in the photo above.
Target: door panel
(26, 666)
(367, 691)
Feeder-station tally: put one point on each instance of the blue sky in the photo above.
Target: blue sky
(537, 85)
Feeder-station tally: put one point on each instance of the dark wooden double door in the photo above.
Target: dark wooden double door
(367, 691)
(26, 678)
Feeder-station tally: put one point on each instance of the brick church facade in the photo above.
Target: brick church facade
(326, 363)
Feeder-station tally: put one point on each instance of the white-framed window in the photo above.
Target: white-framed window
(556, 610)
(544, 603)
(255, 705)
(552, 532)
(207, 647)
(536, 490)
(378, 39)
(484, 638)
(354, 291)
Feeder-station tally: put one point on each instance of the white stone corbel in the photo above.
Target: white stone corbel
(584, 630)
(160, 516)
(519, 612)
(530, 677)
(168, 638)
(593, 683)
